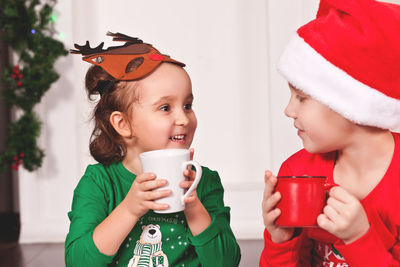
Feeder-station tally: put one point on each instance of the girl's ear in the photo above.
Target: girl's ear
(121, 124)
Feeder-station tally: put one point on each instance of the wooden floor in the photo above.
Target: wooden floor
(52, 255)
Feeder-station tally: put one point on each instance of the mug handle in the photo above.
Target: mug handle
(196, 179)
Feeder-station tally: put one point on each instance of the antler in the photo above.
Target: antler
(87, 50)
(124, 38)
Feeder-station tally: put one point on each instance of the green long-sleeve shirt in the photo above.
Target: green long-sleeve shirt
(156, 238)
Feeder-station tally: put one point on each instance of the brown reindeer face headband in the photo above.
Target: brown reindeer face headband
(131, 61)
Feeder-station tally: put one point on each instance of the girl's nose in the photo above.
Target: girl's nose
(181, 119)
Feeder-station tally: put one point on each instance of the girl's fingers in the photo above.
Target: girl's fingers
(190, 174)
(147, 176)
(151, 185)
(156, 206)
(191, 153)
(185, 184)
(189, 199)
(154, 195)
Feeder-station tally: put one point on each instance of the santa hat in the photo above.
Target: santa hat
(348, 58)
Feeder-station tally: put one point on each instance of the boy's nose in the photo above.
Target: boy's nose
(289, 110)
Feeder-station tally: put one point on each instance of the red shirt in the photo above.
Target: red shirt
(380, 246)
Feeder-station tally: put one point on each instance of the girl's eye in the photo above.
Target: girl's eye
(164, 108)
(188, 106)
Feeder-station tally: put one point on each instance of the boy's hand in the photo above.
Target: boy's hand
(270, 213)
(140, 198)
(344, 216)
(190, 176)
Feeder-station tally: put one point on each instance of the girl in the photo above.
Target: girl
(145, 104)
(343, 69)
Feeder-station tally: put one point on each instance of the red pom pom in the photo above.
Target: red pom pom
(14, 76)
(20, 76)
(16, 68)
(21, 155)
(15, 158)
(19, 83)
(156, 57)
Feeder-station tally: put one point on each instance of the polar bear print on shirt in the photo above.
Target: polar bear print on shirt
(148, 250)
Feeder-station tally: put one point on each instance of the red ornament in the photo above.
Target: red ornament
(19, 83)
(14, 167)
(21, 155)
(20, 76)
(19, 162)
(156, 57)
(15, 158)
(14, 76)
(16, 68)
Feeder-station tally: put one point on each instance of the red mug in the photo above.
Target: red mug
(302, 200)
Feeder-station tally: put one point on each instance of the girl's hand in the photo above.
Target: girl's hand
(140, 198)
(197, 216)
(344, 216)
(190, 176)
(270, 213)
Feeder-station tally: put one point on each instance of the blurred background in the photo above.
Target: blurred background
(230, 47)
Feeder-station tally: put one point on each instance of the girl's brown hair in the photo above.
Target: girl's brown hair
(106, 145)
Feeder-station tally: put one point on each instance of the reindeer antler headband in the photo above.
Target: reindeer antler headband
(131, 61)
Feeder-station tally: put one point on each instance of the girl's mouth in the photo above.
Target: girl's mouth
(180, 138)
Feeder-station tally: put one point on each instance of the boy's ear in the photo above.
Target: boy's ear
(121, 124)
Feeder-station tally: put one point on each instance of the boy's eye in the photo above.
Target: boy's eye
(165, 108)
(188, 106)
(301, 98)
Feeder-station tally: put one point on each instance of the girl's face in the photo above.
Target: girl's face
(320, 128)
(163, 116)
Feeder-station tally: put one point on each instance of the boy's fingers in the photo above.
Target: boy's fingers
(270, 203)
(271, 217)
(335, 204)
(270, 182)
(342, 195)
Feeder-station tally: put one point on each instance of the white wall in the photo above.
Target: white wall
(230, 47)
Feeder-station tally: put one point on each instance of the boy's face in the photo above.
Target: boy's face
(163, 116)
(320, 128)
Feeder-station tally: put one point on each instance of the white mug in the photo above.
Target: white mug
(170, 164)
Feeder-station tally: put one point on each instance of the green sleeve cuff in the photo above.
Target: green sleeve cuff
(207, 235)
(94, 251)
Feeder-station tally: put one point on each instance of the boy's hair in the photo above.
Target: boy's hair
(348, 58)
(106, 145)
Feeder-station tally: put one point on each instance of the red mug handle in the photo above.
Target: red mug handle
(328, 186)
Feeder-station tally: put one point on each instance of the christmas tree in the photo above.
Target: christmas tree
(27, 28)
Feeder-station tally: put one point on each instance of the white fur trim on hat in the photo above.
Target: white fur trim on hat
(311, 73)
